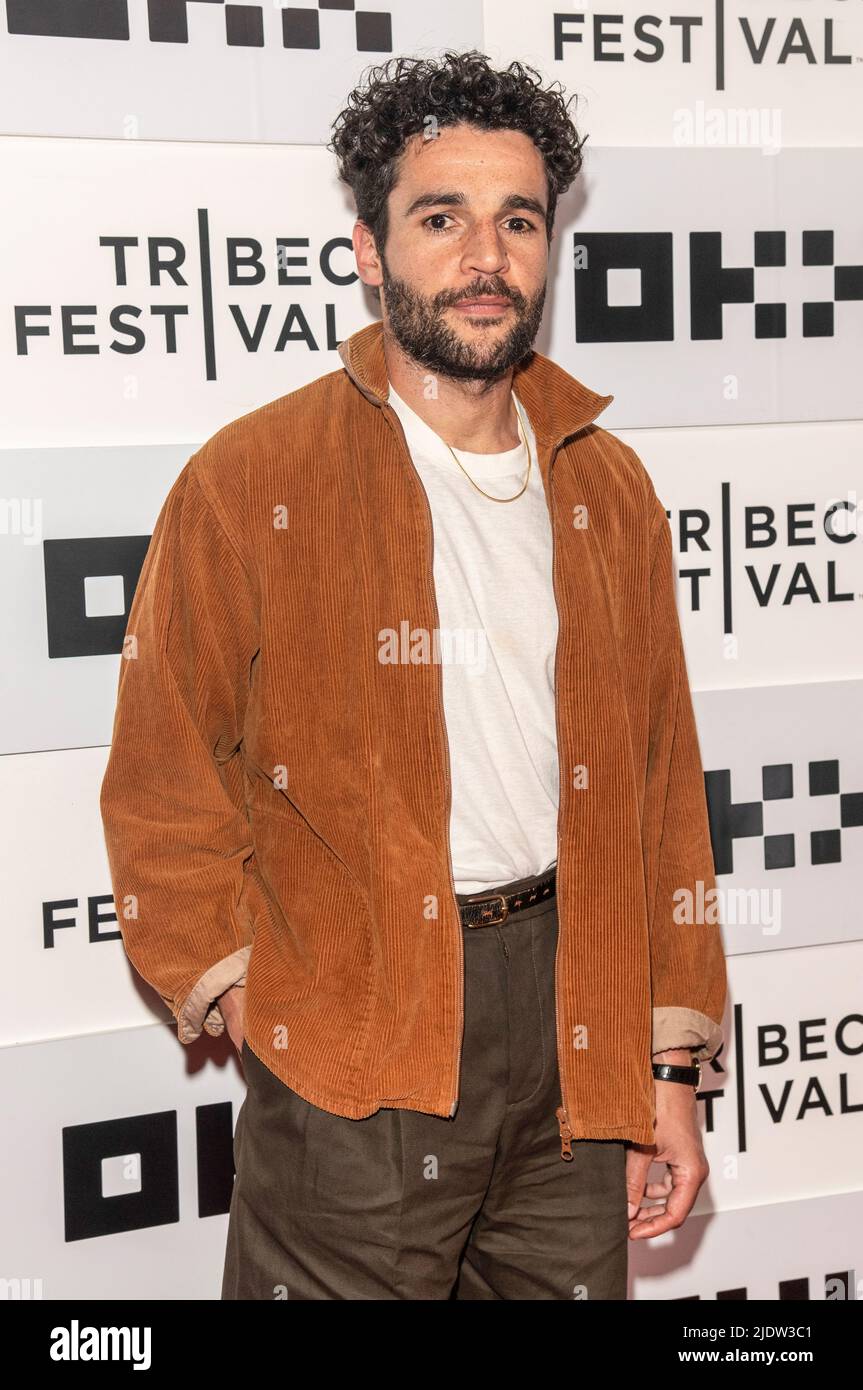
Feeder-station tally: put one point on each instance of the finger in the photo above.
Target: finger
(637, 1166)
(660, 1188)
(648, 1212)
(682, 1197)
(657, 1188)
(655, 1226)
(646, 1223)
(677, 1207)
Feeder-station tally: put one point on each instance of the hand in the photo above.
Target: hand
(679, 1145)
(231, 1004)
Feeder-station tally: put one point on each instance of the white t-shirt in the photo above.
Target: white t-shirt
(498, 633)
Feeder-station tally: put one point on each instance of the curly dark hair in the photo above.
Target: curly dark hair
(400, 96)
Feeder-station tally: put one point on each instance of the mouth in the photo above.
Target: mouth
(483, 307)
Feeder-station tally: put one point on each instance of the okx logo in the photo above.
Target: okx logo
(168, 22)
(732, 820)
(603, 316)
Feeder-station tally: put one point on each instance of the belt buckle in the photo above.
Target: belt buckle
(493, 921)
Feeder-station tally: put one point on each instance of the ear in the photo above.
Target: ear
(368, 260)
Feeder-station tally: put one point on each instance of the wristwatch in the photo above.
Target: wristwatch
(690, 1076)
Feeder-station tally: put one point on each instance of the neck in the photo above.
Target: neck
(477, 416)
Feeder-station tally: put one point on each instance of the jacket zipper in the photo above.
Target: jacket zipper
(566, 1134)
(561, 1114)
(448, 771)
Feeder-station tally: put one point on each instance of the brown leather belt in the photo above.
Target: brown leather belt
(491, 910)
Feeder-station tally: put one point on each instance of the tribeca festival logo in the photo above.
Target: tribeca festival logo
(766, 555)
(773, 39)
(176, 305)
(801, 1067)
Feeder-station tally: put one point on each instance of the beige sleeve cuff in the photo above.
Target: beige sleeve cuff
(199, 1011)
(676, 1027)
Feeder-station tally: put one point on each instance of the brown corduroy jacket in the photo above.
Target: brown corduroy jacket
(276, 800)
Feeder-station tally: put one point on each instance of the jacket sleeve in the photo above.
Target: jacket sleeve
(686, 956)
(172, 798)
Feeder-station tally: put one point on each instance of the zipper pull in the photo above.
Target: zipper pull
(565, 1134)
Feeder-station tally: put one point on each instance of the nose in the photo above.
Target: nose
(484, 251)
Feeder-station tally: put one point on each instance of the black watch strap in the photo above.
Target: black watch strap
(690, 1076)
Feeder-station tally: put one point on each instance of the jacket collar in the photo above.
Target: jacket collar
(557, 404)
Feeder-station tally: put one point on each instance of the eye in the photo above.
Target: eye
(435, 230)
(525, 228)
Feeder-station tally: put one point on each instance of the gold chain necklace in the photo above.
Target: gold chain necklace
(529, 461)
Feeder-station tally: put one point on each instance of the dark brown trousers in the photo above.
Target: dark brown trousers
(405, 1205)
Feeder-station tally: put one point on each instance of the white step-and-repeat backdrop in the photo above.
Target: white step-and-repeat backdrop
(176, 252)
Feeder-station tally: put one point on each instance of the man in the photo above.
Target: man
(405, 786)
